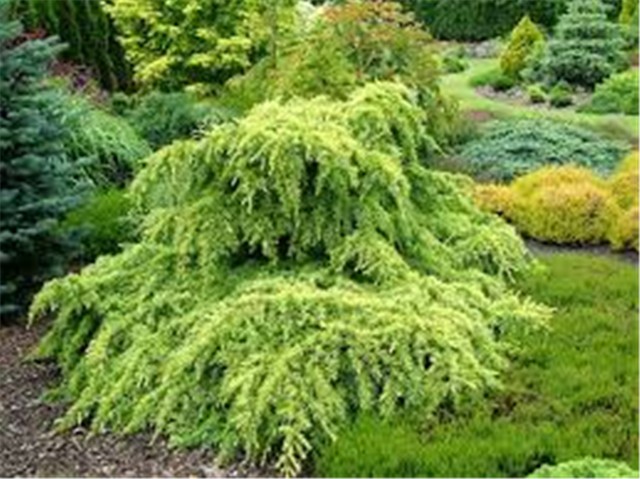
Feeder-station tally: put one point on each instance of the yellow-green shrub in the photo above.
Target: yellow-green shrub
(494, 198)
(624, 190)
(624, 182)
(524, 39)
(563, 205)
(569, 204)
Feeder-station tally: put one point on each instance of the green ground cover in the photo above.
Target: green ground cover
(571, 392)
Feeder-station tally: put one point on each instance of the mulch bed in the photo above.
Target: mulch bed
(28, 447)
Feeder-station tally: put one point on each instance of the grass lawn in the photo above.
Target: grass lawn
(571, 391)
(624, 127)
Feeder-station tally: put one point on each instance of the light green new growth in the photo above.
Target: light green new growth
(295, 268)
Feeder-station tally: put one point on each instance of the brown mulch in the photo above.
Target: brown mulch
(28, 447)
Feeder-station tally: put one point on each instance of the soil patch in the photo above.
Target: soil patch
(29, 447)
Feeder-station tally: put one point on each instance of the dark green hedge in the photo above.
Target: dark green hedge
(88, 33)
(474, 20)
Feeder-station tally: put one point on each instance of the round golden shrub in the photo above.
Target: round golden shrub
(624, 182)
(624, 232)
(493, 198)
(569, 204)
(624, 190)
(563, 205)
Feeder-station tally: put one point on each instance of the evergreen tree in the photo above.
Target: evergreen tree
(35, 179)
(524, 40)
(587, 47)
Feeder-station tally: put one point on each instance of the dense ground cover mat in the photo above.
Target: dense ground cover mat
(509, 149)
(571, 392)
(295, 267)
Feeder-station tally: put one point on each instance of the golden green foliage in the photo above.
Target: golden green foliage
(569, 204)
(493, 197)
(294, 268)
(196, 43)
(624, 189)
(525, 38)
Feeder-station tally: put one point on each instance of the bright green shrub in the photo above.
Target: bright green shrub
(588, 467)
(88, 33)
(197, 43)
(101, 225)
(561, 95)
(624, 232)
(618, 94)
(524, 39)
(512, 148)
(536, 94)
(161, 118)
(107, 146)
(586, 47)
(36, 181)
(294, 267)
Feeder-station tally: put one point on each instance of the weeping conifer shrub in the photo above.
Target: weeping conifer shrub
(295, 268)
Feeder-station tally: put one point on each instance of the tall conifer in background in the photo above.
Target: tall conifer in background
(88, 32)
